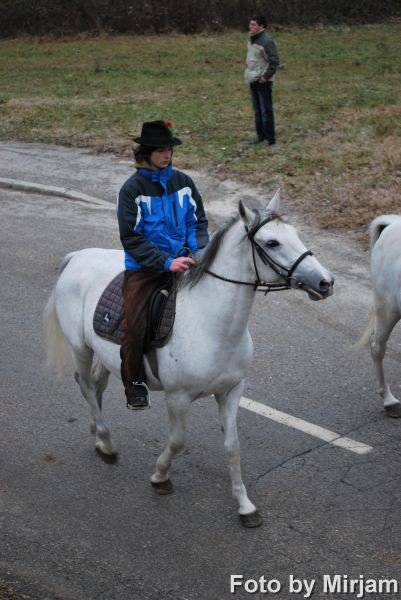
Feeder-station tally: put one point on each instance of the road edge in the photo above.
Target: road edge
(49, 190)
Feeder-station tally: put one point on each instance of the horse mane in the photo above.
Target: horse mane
(193, 276)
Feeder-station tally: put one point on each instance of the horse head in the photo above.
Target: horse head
(278, 255)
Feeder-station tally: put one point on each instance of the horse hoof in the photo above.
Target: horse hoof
(163, 487)
(110, 459)
(394, 411)
(253, 519)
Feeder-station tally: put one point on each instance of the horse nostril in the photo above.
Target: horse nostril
(324, 285)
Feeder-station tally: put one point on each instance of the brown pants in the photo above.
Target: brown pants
(138, 287)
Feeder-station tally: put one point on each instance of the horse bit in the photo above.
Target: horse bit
(285, 274)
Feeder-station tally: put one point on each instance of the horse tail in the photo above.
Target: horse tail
(57, 347)
(376, 228)
(363, 341)
(378, 225)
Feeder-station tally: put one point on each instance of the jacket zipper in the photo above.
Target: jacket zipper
(175, 214)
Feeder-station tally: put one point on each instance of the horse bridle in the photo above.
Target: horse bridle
(285, 274)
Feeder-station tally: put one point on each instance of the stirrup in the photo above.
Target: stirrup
(138, 397)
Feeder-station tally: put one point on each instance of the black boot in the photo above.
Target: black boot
(137, 396)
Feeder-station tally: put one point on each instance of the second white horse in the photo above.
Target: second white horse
(385, 265)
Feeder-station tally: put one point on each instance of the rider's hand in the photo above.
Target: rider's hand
(182, 263)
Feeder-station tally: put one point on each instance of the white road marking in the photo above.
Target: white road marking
(315, 430)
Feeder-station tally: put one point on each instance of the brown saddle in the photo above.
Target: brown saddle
(108, 315)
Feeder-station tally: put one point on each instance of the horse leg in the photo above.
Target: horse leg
(92, 384)
(100, 377)
(228, 407)
(177, 407)
(384, 323)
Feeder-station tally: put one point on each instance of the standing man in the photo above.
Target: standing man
(262, 62)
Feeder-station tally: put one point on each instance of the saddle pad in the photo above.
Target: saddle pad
(108, 316)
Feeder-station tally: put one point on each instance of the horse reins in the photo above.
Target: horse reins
(285, 274)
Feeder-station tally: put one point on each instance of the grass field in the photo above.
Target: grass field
(337, 103)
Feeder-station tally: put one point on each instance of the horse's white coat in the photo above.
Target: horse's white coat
(210, 350)
(385, 265)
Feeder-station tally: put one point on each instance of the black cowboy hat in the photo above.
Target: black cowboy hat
(157, 134)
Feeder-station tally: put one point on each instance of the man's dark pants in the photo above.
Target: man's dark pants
(262, 102)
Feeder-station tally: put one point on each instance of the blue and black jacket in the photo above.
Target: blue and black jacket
(160, 216)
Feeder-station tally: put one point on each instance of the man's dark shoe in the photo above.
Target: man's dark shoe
(137, 397)
(257, 140)
(269, 143)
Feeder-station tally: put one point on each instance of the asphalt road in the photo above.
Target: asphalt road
(76, 528)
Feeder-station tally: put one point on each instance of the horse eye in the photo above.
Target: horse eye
(272, 243)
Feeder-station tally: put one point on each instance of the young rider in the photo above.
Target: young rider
(162, 222)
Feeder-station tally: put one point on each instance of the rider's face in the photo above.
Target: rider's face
(161, 157)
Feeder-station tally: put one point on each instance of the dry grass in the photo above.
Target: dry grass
(337, 102)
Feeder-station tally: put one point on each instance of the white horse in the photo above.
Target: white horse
(385, 265)
(210, 350)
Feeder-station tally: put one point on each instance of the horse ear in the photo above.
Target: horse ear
(245, 213)
(274, 203)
